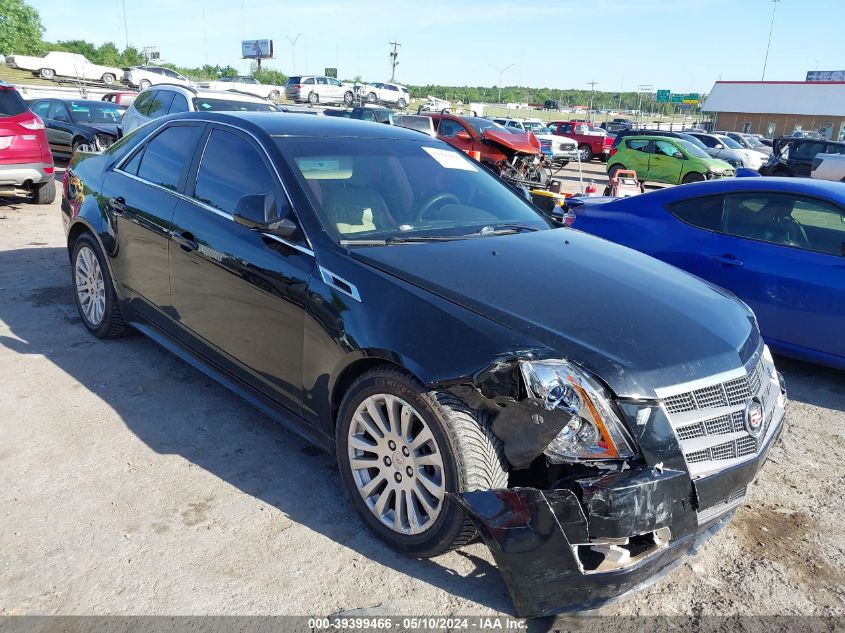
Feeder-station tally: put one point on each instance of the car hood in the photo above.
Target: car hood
(101, 128)
(520, 142)
(561, 140)
(635, 322)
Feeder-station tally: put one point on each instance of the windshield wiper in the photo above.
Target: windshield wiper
(398, 239)
(504, 229)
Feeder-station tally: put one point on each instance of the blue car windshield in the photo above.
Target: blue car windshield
(373, 189)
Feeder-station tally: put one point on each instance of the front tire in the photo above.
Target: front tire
(586, 153)
(401, 449)
(693, 176)
(313, 98)
(372, 98)
(47, 73)
(401, 104)
(348, 98)
(96, 299)
(274, 95)
(144, 84)
(108, 79)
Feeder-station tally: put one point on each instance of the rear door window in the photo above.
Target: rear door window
(142, 103)
(179, 104)
(806, 150)
(41, 109)
(640, 145)
(166, 155)
(11, 103)
(160, 104)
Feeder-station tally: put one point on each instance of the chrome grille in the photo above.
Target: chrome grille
(709, 419)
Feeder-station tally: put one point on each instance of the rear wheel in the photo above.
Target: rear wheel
(693, 176)
(313, 98)
(348, 98)
(372, 98)
(401, 104)
(96, 299)
(108, 79)
(586, 153)
(44, 193)
(401, 449)
(274, 95)
(47, 73)
(144, 84)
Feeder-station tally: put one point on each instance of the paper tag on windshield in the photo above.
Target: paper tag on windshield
(449, 159)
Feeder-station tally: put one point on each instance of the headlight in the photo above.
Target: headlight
(103, 141)
(593, 430)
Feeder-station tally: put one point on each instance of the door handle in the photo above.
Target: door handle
(186, 241)
(118, 204)
(726, 260)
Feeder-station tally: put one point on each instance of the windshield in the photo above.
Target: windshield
(203, 104)
(375, 189)
(692, 150)
(689, 138)
(11, 103)
(728, 142)
(101, 112)
(753, 141)
(536, 127)
(480, 125)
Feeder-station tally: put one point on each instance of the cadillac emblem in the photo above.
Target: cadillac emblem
(754, 417)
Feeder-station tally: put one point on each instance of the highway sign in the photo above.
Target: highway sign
(663, 96)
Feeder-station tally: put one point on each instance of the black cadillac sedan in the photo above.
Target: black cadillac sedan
(593, 413)
(77, 124)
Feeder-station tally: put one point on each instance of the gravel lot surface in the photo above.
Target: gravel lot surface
(133, 484)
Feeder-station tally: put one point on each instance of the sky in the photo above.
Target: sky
(680, 45)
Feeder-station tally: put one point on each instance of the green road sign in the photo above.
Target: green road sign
(692, 97)
(677, 98)
(663, 96)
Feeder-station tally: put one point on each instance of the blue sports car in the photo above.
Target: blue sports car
(777, 243)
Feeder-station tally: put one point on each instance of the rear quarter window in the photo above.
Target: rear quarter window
(11, 103)
(703, 213)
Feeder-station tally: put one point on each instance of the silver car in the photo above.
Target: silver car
(315, 89)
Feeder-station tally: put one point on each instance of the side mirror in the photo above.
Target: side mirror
(256, 206)
(678, 155)
(463, 136)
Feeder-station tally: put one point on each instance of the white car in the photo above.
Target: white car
(829, 167)
(244, 84)
(158, 101)
(142, 77)
(560, 149)
(387, 93)
(60, 64)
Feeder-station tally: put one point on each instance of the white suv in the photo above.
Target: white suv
(145, 76)
(387, 93)
(164, 99)
(318, 89)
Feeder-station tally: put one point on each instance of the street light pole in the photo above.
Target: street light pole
(771, 27)
(500, 71)
(293, 48)
(592, 85)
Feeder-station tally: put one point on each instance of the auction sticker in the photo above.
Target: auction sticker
(449, 159)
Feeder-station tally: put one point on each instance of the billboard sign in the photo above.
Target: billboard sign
(826, 75)
(257, 49)
(663, 96)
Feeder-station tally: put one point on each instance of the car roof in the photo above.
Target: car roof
(231, 95)
(754, 184)
(295, 124)
(96, 102)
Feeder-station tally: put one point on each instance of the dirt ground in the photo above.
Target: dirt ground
(133, 484)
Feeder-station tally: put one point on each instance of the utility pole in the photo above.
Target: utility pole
(125, 27)
(771, 28)
(293, 48)
(394, 62)
(500, 71)
(592, 85)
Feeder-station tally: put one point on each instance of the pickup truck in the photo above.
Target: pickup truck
(590, 143)
(61, 64)
(829, 167)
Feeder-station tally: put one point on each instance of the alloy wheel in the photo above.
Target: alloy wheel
(396, 464)
(90, 286)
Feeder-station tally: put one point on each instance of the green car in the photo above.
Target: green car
(664, 159)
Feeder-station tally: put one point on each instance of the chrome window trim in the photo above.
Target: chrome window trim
(329, 278)
(308, 250)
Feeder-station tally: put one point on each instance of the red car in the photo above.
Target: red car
(121, 99)
(26, 163)
(591, 143)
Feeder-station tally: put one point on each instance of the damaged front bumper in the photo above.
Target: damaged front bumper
(600, 537)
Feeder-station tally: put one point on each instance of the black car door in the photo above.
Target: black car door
(141, 194)
(59, 128)
(239, 293)
(801, 155)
